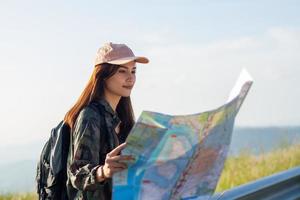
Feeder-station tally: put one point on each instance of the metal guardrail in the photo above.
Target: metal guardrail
(280, 186)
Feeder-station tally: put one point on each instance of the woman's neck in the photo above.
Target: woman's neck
(112, 100)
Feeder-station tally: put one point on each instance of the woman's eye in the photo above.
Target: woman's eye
(122, 71)
(133, 72)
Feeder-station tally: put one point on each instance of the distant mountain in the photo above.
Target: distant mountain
(263, 139)
(11, 153)
(17, 176)
(18, 162)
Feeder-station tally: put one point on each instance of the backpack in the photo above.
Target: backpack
(51, 173)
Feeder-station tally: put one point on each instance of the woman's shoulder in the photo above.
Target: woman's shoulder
(89, 112)
(87, 116)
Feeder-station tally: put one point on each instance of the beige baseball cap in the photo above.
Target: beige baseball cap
(117, 54)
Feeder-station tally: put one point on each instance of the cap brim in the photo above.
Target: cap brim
(138, 59)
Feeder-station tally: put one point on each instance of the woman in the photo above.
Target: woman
(100, 121)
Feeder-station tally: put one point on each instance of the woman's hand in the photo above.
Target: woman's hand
(113, 162)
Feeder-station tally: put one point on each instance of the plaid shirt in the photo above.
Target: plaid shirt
(91, 140)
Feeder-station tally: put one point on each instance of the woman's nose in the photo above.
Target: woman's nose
(131, 77)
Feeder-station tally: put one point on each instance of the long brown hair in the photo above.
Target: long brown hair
(94, 90)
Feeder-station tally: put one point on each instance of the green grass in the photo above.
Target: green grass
(27, 196)
(246, 167)
(237, 170)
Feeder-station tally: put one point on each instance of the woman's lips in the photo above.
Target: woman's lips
(128, 87)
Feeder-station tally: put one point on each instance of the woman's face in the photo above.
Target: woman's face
(122, 82)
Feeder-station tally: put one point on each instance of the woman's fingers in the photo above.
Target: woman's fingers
(114, 167)
(116, 161)
(114, 170)
(121, 158)
(117, 165)
(117, 150)
(113, 161)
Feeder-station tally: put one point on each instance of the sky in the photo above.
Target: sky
(196, 50)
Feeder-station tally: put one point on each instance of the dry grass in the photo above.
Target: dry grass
(27, 196)
(246, 167)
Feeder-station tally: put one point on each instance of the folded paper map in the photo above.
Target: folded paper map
(179, 156)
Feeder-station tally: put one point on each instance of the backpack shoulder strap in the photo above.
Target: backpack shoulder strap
(59, 141)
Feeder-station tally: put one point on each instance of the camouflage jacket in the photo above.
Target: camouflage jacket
(92, 138)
